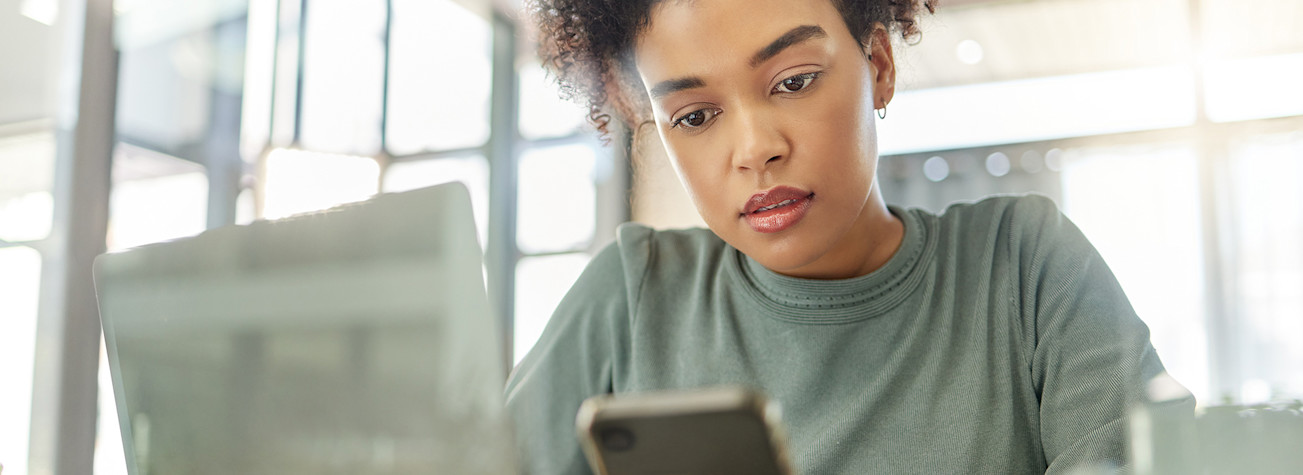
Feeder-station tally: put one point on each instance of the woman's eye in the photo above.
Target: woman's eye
(795, 83)
(695, 118)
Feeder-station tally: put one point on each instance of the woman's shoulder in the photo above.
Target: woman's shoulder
(1015, 209)
(638, 247)
(667, 251)
(643, 257)
(1013, 231)
(641, 246)
(1023, 218)
(633, 232)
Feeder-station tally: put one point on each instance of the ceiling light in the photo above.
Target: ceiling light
(969, 52)
(936, 169)
(1031, 161)
(997, 164)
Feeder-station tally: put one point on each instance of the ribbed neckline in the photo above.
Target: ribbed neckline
(825, 302)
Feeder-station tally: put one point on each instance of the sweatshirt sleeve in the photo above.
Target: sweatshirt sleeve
(575, 358)
(1090, 354)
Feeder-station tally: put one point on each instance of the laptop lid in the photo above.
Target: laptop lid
(355, 340)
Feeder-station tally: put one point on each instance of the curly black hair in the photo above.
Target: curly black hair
(587, 45)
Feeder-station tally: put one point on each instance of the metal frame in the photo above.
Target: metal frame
(65, 377)
(501, 253)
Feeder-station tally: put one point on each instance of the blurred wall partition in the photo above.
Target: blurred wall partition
(1165, 130)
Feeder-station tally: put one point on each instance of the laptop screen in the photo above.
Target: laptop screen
(356, 340)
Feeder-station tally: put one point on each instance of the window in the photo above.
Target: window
(1039, 109)
(230, 111)
(20, 270)
(430, 123)
(155, 197)
(439, 96)
(26, 206)
(556, 223)
(297, 181)
(557, 199)
(343, 76)
(26, 214)
(541, 283)
(542, 112)
(1266, 266)
(570, 197)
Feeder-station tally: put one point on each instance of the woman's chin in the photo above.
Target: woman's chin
(789, 262)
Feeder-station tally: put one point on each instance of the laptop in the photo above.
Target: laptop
(356, 340)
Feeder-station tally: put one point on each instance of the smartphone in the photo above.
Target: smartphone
(714, 431)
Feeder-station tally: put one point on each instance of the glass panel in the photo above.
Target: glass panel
(473, 171)
(162, 101)
(1147, 226)
(1255, 88)
(438, 95)
(557, 199)
(26, 206)
(259, 63)
(180, 71)
(1268, 213)
(343, 76)
(541, 282)
(1038, 109)
(298, 181)
(542, 113)
(286, 65)
(20, 271)
(155, 198)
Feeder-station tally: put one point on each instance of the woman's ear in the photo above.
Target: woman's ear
(882, 64)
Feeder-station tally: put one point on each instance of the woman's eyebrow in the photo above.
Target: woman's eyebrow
(791, 38)
(675, 85)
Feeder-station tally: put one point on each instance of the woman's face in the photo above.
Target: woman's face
(766, 109)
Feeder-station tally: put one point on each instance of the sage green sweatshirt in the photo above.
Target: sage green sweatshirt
(995, 340)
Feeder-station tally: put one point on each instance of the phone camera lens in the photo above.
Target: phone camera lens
(617, 439)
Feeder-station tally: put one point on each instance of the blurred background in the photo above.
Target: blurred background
(1170, 131)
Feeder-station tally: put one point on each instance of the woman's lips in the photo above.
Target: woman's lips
(776, 209)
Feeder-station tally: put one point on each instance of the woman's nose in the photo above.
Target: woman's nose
(758, 143)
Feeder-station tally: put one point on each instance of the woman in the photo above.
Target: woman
(989, 339)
